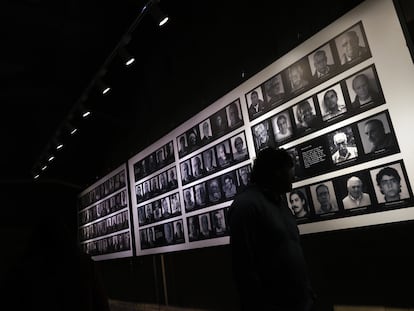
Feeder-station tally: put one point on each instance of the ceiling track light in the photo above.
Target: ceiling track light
(51, 158)
(59, 146)
(103, 87)
(125, 56)
(159, 16)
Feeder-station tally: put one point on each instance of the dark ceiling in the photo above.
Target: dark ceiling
(53, 49)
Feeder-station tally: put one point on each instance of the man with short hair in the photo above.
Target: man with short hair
(375, 131)
(343, 152)
(355, 197)
(298, 204)
(351, 49)
(324, 198)
(364, 94)
(322, 68)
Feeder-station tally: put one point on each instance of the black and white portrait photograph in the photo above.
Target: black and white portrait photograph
(197, 166)
(156, 210)
(239, 147)
(168, 233)
(342, 145)
(141, 215)
(364, 89)
(219, 123)
(186, 172)
(299, 169)
(322, 63)
(255, 102)
(175, 204)
(324, 198)
(376, 135)
(200, 194)
(234, 115)
(160, 157)
(178, 231)
(224, 155)
(205, 226)
(282, 126)
(209, 160)
(305, 115)
(262, 135)
(147, 190)
(298, 203)
(163, 182)
(154, 186)
(243, 178)
(299, 75)
(219, 222)
(332, 102)
(352, 46)
(193, 228)
(138, 192)
(169, 152)
(214, 190)
(355, 191)
(182, 145)
(228, 182)
(206, 133)
(172, 178)
(189, 202)
(193, 139)
(149, 215)
(390, 184)
(274, 90)
(165, 207)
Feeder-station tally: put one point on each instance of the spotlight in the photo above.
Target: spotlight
(36, 176)
(160, 17)
(127, 58)
(103, 88)
(51, 158)
(44, 167)
(59, 146)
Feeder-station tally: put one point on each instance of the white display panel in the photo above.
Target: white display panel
(104, 220)
(315, 117)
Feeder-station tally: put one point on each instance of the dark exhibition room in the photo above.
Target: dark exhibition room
(207, 155)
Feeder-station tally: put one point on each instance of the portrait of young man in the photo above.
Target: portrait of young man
(324, 198)
(332, 102)
(298, 202)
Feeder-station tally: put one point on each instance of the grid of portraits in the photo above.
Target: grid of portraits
(158, 210)
(105, 226)
(169, 233)
(220, 123)
(208, 225)
(156, 185)
(370, 190)
(154, 162)
(353, 95)
(216, 158)
(102, 190)
(362, 141)
(216, 190)
(337, 55)
(104, 208)
(112, 244)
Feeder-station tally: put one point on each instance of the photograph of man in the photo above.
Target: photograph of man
(163, 182)
(376, 134)
(205, 131)
(305, 114)
(224, 154)
(229, 185)
(351, 46)
(160, 157)
(172, 178)
(182, 145)
(390, 182)
(299, 170)
(143, 239)
(200, 194)
(322, 63)
(255, 102)
(239, 148)
(178, 231)
(189, 199)
(356, 197)
(214, 192)
(186, 174)
(209, 160)
(340, 148)
(147, 190)
(363, 89)
(193, 228)
(152, 163)
(141, 215)
(243, 178)
(261, 135)
(205, 226)
(169, 152)
(324, 198)
(282, 127)
(219, 123)
(332, 102)
(193, 139)
(154, 186)
(157, 211)
(274, 90)
(138, 193)
(298, 203)
(299, 75)
(149, 216)
(175, 203)
(151, 236)
(197, 166)
(165, 207)
(234, 116)
(168, 233)
(219, 222)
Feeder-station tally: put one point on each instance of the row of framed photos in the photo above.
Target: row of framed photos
(111, 244)
(353, 95)
(337, 55)
(216, 158)
(169, 233)
(359, 142)
(216, 190)
(104, 189)
(106, 226)
(157, 160)
(157, 185)
(220, 123)
(370, 190)
(103, 208)
(164, 208)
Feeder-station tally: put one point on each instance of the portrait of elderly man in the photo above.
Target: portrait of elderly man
(374, 129)
(364, 91)
(321, 64)
(350, 48)
(343, 151)
(356, 197)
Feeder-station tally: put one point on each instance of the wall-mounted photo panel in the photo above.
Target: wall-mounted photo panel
(324, 198)
(282, 127)
(275, 91)
(300, 203)
(299, 76)
(332, 103)
(234, 114)
(255, 103)
(262, 135)
(322, 63)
